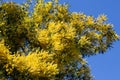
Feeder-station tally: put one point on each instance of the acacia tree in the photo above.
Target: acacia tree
(49, 42)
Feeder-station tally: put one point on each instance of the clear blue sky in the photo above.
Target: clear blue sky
(106, 66)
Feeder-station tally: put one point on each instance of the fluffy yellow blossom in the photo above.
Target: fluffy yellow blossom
(37, 64)
(3, 52)
(84, 41)
(49, 42)
(90, 20)
(101, 18)
(58, 45)
(43, 36)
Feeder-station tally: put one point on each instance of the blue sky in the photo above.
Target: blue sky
(104, 66)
